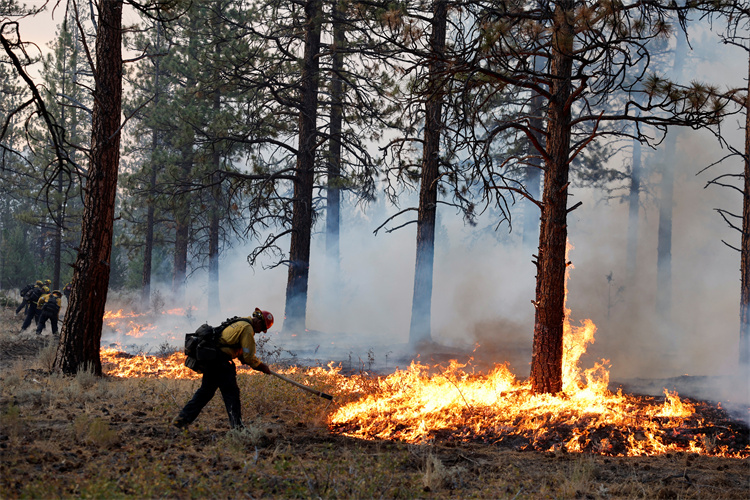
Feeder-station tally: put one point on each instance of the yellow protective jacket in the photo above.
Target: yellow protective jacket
(44, 298)
(238, 341)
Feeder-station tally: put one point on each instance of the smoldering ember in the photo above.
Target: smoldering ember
(435, 249)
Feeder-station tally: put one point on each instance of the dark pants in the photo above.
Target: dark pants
(43, 317)
(222, 375)
(24, 304)
(30, 314)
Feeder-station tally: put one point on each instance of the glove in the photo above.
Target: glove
(262, 367)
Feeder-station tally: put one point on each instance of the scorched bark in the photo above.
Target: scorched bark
(420, 328)
(547, 355)
(82, 327)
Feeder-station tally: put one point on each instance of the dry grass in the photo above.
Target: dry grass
(82, 436)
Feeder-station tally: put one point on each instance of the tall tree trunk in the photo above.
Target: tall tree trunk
(82, 327)
(421, 307)
(744, 355)
(333, 191)
(547, 355)
(533, 173)
(634, 205)
(148, 247)
(182, 228)
(666, 200)
(214, 299)
(299, 250)
(59, 221)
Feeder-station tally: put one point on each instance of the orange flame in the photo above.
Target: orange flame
(423, 403)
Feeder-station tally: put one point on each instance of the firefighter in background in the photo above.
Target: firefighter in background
(49, 309)
(33, 297)
(25, 290)
(237, 341)
(66, 291)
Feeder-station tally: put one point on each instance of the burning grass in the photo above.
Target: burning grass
(429, 432)
(426, 404)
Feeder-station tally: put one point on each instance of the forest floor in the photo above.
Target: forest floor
(89, 437)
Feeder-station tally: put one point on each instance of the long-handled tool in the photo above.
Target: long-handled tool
(304, 387)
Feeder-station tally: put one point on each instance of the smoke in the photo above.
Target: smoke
(484, 284)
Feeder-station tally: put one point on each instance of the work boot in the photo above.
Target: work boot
(180, 422)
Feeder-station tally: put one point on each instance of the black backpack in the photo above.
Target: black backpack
(33, 295)
(202, 346)
(51, 306)
(27, 289)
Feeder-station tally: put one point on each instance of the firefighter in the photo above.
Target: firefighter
(33, 297)
(49, 309)
(237, 341)
(66, 291)
(25, 303)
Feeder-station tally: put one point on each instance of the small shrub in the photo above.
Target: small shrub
(86, 376)
(12, 380)
(8, 301)
(33, 397)
(579, 477)
(435, 474)
(239, 440)
(46, 357)
(11, 421)
(94, 431)
(71, 392)
(80, 427)
(100, 434)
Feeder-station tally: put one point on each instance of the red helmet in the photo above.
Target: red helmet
(266, 316)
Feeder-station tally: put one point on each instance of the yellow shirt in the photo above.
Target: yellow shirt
(238, 341)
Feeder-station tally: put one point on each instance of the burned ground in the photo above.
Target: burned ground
(87, 437)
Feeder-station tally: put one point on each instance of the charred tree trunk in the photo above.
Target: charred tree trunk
(744, 356)
(547, 355)
(634, 205)
(299, 250)
(421, 308)
(333, 192)
(82, 327)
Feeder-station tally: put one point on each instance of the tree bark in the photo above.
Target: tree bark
(182, 222)
(547, 355)
(533, 174)
(214, 299)
(333, 191)
(82, 327)
(421, 309)
(299, 250)
(744, 354)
